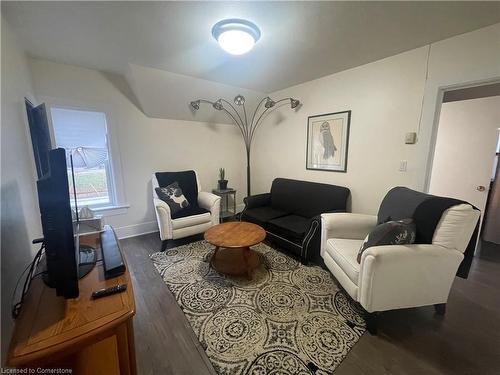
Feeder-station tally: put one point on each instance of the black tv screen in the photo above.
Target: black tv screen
(61, 250)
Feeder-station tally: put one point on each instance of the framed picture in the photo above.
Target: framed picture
(328, 141)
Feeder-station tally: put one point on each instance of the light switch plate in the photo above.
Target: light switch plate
(403, 164)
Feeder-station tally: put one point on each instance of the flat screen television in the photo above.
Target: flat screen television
(61, 244)
(65, 260)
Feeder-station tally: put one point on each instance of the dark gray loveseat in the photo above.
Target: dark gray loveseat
(290, 214)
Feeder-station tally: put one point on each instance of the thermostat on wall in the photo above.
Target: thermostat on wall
(411, 138)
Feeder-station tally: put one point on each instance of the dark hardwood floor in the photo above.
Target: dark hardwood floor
(410, 341)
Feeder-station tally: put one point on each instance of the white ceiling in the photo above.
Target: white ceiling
(300, 41)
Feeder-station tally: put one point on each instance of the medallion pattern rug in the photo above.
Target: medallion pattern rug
(289, 319)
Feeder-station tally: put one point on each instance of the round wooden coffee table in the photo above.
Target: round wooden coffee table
(232, 242)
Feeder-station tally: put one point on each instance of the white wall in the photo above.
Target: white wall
(20, 220)
(145, 145)
(385, 98)
(167, 95)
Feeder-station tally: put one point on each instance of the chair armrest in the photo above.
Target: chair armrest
(257, 200)
(400, 276)
(207, 200)
(210, 202)
(164, 219)
(312, 240)
(347, 225)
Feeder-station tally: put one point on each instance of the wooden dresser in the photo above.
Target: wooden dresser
(84, 335)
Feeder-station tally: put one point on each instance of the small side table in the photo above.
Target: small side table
(225, 212)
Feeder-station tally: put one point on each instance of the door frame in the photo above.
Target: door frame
(437, 117)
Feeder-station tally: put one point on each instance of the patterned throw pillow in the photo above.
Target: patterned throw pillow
(400, 232)
(173, 196)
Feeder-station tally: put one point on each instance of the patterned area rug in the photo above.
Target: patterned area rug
(290, 319)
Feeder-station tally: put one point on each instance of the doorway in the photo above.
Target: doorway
(466, 150)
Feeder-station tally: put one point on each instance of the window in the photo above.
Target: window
(84, 136)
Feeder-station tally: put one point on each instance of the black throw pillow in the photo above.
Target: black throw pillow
(402, 232)
(173, 196)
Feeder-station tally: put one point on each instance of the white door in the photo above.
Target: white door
(465, 150)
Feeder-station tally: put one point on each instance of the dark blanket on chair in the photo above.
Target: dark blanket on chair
(426, 210)
(185, 179)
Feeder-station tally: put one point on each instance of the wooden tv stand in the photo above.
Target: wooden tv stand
(84, 335)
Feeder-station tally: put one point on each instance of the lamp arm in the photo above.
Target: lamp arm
(206, 101)
(257, 123)
(246, 120)
(237, 124)
(235, 111)
(230, 115)
(256, 109)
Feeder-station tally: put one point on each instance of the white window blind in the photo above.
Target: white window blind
(83, 134)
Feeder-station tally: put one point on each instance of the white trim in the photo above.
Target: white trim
(147, 227)
(136, 229)
(112, 210)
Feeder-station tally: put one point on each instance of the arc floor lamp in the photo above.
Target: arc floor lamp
(247, 128)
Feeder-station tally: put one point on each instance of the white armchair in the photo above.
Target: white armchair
(194, 221)
(396, 276)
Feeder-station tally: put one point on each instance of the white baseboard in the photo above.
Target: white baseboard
(136, 229)
(147, 227)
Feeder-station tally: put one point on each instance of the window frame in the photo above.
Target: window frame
(118, 203)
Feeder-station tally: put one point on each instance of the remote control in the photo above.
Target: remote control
(108, 291)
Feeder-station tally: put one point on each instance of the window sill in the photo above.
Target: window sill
(112, 210)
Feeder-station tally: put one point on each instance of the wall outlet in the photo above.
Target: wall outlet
(403, 164)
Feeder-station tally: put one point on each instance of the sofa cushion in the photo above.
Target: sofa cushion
(292, 227)
(191, 210)
(261, 215)
(344, 252)
(203, 216)
(307, 199)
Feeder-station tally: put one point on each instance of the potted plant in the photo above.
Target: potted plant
(222, 180)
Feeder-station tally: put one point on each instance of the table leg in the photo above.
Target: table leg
(246, 259)
(212, 259)
(131, 346)
(123, 350)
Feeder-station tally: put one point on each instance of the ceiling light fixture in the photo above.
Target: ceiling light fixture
(236, 36)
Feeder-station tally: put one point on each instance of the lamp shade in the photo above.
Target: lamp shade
(236, 36)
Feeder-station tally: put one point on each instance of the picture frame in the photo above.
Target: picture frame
(328, 141)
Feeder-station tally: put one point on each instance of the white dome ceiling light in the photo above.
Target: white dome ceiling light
(236, 36)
